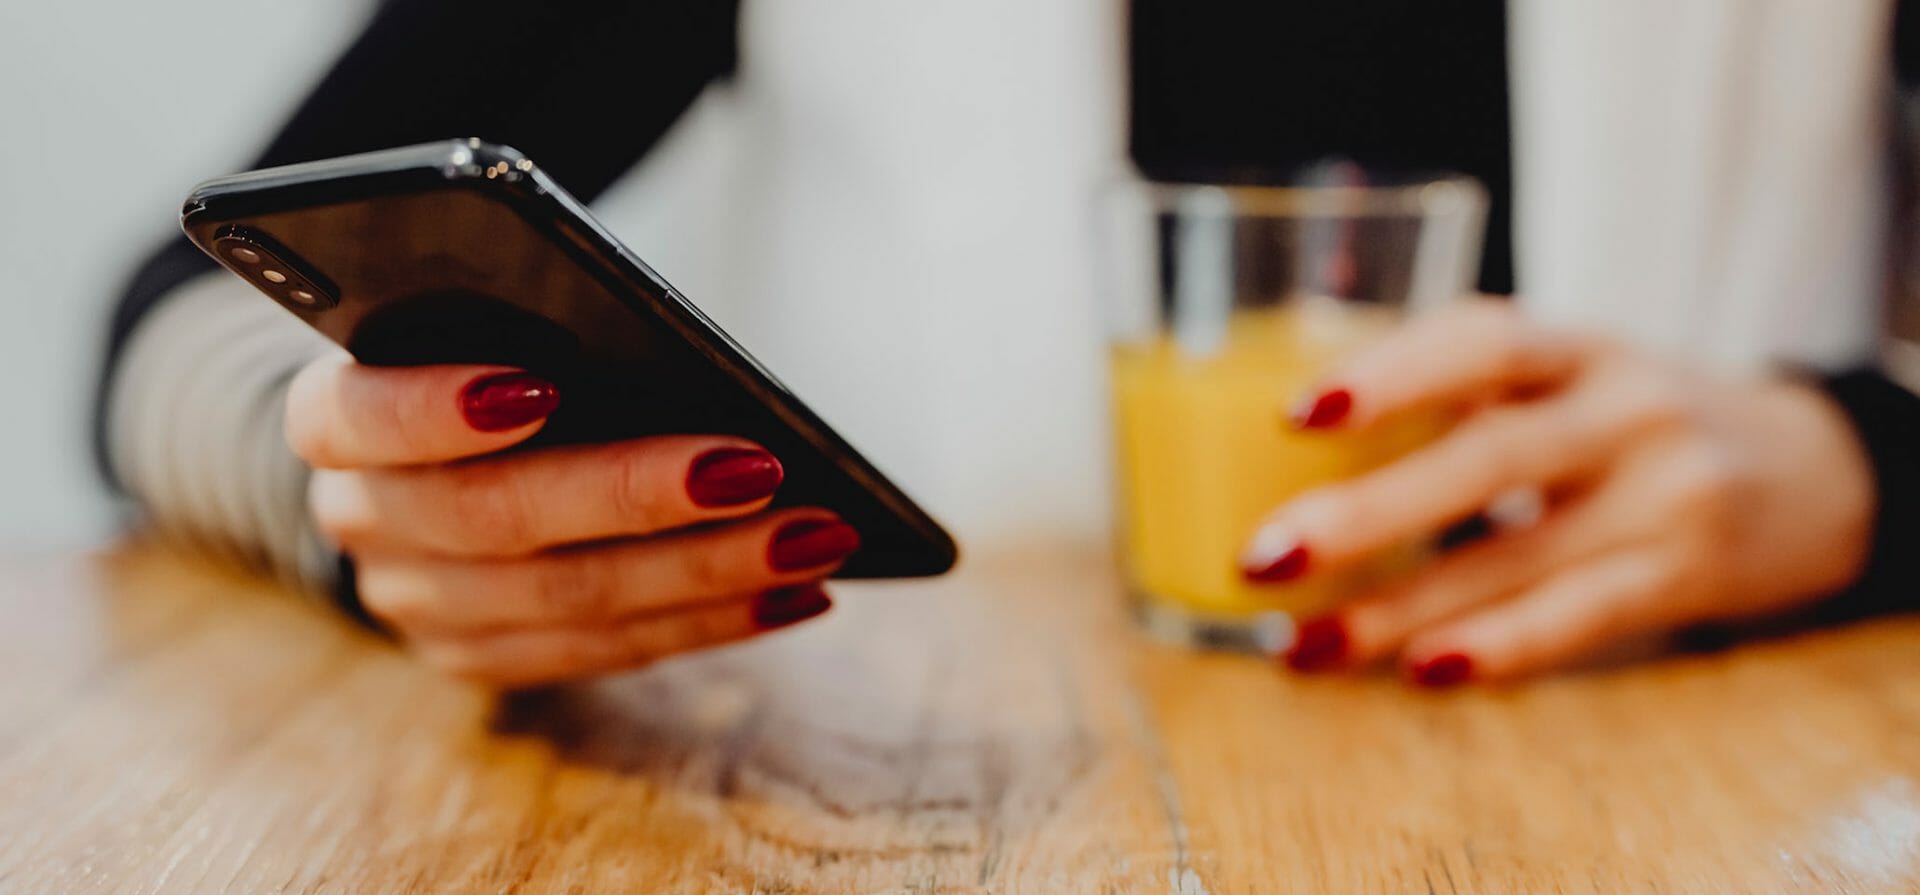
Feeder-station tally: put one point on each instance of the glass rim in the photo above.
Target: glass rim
(1415, 196)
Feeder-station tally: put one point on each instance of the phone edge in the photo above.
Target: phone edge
(466, 162)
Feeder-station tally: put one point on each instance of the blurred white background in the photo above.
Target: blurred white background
(111, 111)
(909, 251)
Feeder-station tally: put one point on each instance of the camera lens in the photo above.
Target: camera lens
(273, 270)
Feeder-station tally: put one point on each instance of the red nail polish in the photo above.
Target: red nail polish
(786, 605)
(727, 477)
(806, 543)
(1285, 567)
(501, 401)
(1326, 411)
(1319, 644)
(1444, 670)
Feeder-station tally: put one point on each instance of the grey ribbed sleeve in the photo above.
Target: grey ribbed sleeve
(194, 429)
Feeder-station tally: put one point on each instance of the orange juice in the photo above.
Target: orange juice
(1205, 451)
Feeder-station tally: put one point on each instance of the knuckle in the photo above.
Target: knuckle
(491, 511)
(1516, 354)
(1535, 354)
(309, 438)
(1705, 486)
(1660, 583)
(302, 421)
(1328, 512)
(705, 567)
(1704, 476)
(691, 631)
(335, 512)
(407, 596)
(408, 414)
(635, 494)
(709, 629)
(639, 644)
(1635, 600)
(572, 588)
(1648, 402)
(1518, 349)
(1510, 443)
(305, 439)
(384, 601)
(1512, 436)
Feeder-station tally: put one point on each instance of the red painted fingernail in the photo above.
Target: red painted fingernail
(501, 401)
(806, 543)
(1444, 670)
(1290, 564)
(1325, 411)
(727, 477)
(1319, 644)
(786, 605)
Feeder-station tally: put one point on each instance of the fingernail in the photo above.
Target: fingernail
(501, 401)
(1275, 555)
(806, 543)
(1325, 411)
(1321, 643)
(1444, 670)
(727, 477)
(786, 605)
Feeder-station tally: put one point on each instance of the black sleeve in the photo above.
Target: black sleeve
(1227, 90)
(1887, 418)
(584, 86)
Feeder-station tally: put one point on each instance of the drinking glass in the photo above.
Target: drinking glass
(1227, 305)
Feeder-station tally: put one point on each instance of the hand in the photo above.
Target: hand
(548, 564)
(1671, 498)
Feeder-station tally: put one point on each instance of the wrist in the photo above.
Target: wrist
(1823, 453)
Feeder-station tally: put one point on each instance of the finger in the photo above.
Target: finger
(1567, 618)
(1553, 442)
(344, 414)
(1378, 624)
(605, 583)
(1459, 354)
(527, 658)
(519, 504)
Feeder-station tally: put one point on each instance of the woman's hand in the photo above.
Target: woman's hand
(555, 563)
(1671, 498)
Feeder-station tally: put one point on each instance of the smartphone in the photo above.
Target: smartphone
(465, 252)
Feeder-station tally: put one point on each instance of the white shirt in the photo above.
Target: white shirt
(1708, 177)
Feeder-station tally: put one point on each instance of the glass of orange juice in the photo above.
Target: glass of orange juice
(1228, 303)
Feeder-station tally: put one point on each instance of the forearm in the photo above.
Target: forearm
(191, 421)
(189, 402)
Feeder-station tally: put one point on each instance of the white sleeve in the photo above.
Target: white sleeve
(1709, 178)
(194, 429)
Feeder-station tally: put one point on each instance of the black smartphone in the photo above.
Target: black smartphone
(465, 252)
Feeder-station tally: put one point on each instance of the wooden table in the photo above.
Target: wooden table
(166, 727)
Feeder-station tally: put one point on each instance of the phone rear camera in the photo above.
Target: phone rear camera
(273, 270)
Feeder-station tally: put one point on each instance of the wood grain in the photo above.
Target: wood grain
(168, 727)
